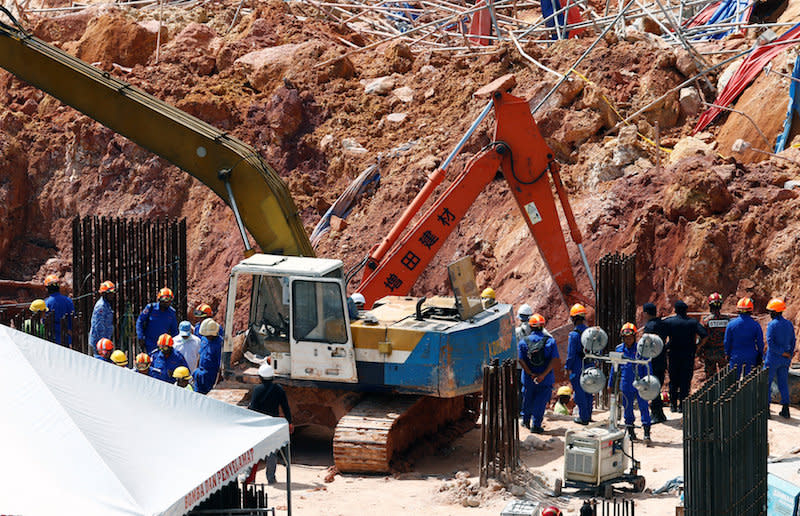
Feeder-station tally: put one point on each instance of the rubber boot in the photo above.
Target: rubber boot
(673, 406)
(785, 412)
(658, 415)
(646, 433)
(632, 433)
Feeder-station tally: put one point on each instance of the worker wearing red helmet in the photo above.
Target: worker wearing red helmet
(102, 325)
(59, 306)
(628, 373)
(744, 339)
(684, 332)
(574, 364)
(538, 357)
(780, 348)
(712, 348)
(166, 360)
(155, 320)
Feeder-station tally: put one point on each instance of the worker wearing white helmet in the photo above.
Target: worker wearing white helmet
(355, 304)
(267, 398)
(524, 314)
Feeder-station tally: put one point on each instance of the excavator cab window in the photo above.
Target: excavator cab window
(318, 312)
(269, 307)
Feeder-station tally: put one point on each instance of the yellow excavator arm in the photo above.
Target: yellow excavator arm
(258, 196)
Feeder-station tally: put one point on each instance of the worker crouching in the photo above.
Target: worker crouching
(538, 356)
(627, 375)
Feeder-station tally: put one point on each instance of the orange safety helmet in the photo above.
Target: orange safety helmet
(628, 329)
(104, 345)
(536, 321)
(776, 305)
(165, 294)
(143, 361)
(107, 286)
(745, 305)
(51, 279)
(203, 310)
(165, 340)
(577, 310)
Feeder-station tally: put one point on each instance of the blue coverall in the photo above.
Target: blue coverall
(744, 343)
(60, 305)
(104, 359)
(208, 364)
(629, 392)
(574, 364)
(780, 340)
(153, 322)
(102, 323)
(163, 366)
(548, 8)
(536, 395)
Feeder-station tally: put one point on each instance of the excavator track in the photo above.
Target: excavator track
(374, 434)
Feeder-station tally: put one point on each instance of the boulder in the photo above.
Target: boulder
(690, 101)
(266, 66)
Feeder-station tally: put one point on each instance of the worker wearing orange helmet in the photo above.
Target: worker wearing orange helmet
(684, 332)
(744, 340)
(203, 312)
(780, 348)
(712, 348)
(166, 360)
(102, 326)
(155, 320)
(628, 373)
(60, 308)
(143, 362)
(103, 350)
(538, 357)
(574, 364)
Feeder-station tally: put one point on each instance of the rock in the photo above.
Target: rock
(343, 68)
(725, 76)
(326, 142)
(473, 501)
(285, 112)
(517, 490)
(689, 146)
(396, 117)
(534, 443)
(379, 86)
(116, 38)
(30, 107)
(428, 163)
(694, 192)
(404, 93)
(430, 92)
(351, 146)
(267, 66)
(690, 101)
(399, 56)
(685, 63)
(462, 475)
(337, 224)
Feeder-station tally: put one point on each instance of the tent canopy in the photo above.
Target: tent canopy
(83, 436)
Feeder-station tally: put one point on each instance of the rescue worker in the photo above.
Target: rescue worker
(205, 376)
(102, 326)
(104, 348)
(574, 364)
(564, 393)
(628, 373)
(119, 358)
(59, 305)
(201, 313)
(35, 325)
(267, 398)
(155, 320)
(143, 362)
(187, 344)
(183, 378)
(355, 304)
(744, 339)
(523, 314)
(655, 326)
(683, 332)
(780, 348)
(488, 298)
(165, 359)
(538, 357)
(712, 348)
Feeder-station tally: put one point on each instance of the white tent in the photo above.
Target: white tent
(82, 436)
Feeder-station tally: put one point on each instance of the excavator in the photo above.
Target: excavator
(403, 369)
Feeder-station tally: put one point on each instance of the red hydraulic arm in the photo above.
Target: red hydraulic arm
(520, 152)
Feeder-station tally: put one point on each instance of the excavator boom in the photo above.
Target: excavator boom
(258, 196)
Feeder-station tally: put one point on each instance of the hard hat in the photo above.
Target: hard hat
(776, 305)
(165, 294)
(165, 340)
(525, 311)
(488, 292)
(577, 309)
(551, 511)
(203, 310)
(358, 298)
(628, 329)
(181, 372)
(665, 396)
(185, 328)
(209, 328)
(649, 387)
(593, 380)
(38, 305)
(745, 305)
(107, 286)
(594, 340)
(119, 357)
(650, 345)
(714, 298)
(266, 371)
(104, 345)
(536, 321)
(143, 361)
(564, 390)
(51, 279)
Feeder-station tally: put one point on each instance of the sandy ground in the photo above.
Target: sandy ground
(424, 491)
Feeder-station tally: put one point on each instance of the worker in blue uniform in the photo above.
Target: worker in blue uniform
(59, 305)
(103, 350)
(203, 312)
(538, 357)
(166, 360)
(155, 320)
(205, 376)
(684, 333)
(744, 340)
(780, 348)
(628, 373)
(574, 364)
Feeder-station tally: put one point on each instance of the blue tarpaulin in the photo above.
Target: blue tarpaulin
(794, 107)
(729, 11)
